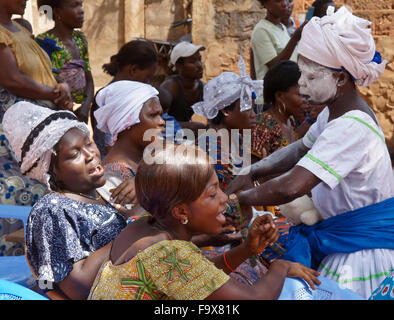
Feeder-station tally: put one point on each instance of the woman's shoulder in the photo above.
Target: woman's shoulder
(356, 120)
(79, 34)
(181, 271)
(262, 26)
(49, 205)
(53, 202)
(168, 251)
(169, 245)
(46, 34)
(6, 36)
(359, 115)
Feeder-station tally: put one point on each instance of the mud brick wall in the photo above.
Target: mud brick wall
(225, 26)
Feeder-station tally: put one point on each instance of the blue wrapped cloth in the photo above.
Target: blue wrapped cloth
(49, 46)
(369, 227)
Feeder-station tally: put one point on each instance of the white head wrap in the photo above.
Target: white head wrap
(342, 40)
(120, 105)
(226, 88)
(33, 131)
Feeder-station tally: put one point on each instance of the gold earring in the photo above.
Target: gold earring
(185, 221)
(282, 108)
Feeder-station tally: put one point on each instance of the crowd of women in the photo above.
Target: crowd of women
(130, 215)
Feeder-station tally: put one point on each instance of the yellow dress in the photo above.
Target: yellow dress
(167, 270)
(16, 189)
(30, 58)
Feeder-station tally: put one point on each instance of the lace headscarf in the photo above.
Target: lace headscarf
(33, 131)
(227, 88)
(120, 105)
(342, 41)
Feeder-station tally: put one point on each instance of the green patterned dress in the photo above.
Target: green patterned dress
(65, 67)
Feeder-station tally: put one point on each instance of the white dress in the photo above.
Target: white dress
(351, 158)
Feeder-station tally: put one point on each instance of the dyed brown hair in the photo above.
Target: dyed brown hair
(179, 177)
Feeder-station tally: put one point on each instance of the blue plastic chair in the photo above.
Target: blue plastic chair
(298, 289)
(15, 268)
(12, 291)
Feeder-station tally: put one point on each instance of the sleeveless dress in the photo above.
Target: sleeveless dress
(181, 108)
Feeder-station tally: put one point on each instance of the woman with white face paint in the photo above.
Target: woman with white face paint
(343, 160)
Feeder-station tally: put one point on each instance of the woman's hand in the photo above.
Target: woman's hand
(261, 234)
(298, 270)
(63, 96)
(124, 193)
(297, 34)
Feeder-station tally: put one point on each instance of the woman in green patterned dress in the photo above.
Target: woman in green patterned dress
(68, 50)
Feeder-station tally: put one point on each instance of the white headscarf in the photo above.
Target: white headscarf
(120, 105)
(33, 131)
(226, 88)
(339, 40)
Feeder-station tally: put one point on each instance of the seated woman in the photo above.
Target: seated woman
(127, 109)
(25, 75)
(343, 160)
(230, 118)
(181, 191)
(228, 105)
(69, 228)
(68, 51)
(276, 127)
(136, 61)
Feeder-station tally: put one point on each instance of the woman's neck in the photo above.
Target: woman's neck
(282, 117)
(121, 76)
(90, 196)
(173, 228)
(276, 21)
(220, 126)
(63, 32)
(287, 22)
(126, 152)
(347, 101)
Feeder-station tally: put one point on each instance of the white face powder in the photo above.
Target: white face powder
(317, 83)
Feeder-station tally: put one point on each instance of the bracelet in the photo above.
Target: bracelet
(225, 262)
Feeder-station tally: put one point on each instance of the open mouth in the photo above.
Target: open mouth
(96, 171)
(221, 217)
